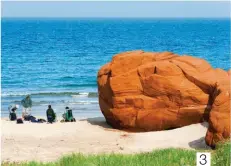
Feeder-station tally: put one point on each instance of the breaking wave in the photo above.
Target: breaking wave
(73, 94)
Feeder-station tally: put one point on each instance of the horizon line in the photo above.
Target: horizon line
(74, 17)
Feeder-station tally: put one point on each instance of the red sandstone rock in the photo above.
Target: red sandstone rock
(145, 91)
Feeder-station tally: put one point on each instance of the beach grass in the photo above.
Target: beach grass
(165, 157)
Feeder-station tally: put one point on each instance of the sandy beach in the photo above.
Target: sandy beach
(48, 142)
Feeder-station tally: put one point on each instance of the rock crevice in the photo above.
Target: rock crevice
(145, 91)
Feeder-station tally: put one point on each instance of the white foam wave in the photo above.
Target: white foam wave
(81, 94)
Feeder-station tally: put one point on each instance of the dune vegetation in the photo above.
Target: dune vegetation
(164, 157)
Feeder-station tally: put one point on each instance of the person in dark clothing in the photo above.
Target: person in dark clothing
(50, 114)
(12, 110)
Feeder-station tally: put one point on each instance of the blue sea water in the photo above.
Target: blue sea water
(56, 60)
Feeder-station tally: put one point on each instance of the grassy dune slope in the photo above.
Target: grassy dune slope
(165, 157)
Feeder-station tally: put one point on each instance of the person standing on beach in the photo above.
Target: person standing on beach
(50, 114)
(26, 107)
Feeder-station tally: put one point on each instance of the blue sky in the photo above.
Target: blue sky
(116, 9)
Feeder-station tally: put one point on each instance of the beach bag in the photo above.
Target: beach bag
(19, 121)
(27, 118)
(13, 116)
(33, 119)
(41, 120)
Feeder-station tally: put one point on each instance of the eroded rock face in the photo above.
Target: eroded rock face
(146, 91)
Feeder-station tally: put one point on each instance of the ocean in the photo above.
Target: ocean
(57, 60)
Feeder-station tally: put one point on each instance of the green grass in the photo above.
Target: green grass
(165, 157)
(222, 155)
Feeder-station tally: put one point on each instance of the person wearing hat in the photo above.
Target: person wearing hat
(50, 114)
(26, 107)
(12, 110)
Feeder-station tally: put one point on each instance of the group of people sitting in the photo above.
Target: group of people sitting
(26, 113)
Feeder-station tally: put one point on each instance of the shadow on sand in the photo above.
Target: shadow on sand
(200, 143)
(99, 121)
